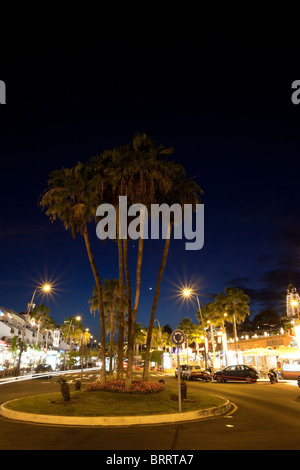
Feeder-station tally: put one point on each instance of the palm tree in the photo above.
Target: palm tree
(47, 325)
(111, 311)
(196, 335)
(186, 325)
(39, 313)
(71, 198)
(235, 303)
(105, 183)
(135, 171)
(139, 337)
(180, 190)
(67, 329)
(213, 317)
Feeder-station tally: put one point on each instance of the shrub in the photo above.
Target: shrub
(118, 386)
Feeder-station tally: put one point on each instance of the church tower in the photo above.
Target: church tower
(292, 301)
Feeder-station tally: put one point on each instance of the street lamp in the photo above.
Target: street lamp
(189, 293)
(44, 288)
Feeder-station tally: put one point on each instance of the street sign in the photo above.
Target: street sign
(177, 337)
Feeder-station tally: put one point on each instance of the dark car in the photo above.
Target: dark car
(236, 373)
(43, 368)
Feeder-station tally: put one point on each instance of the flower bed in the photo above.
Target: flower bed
(138, 387)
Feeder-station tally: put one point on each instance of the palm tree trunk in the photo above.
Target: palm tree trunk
(235, 339)
(111, 342)
(130, 354)
(128, 287)
(100, 302)
(155, 302)
(121, 303)
(213, 342)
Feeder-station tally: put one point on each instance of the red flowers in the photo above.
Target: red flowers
(138, 386)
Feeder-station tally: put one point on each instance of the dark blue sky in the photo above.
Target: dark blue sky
(227, 112)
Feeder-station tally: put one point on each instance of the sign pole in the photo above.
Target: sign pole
(178, 338)
(179, 386)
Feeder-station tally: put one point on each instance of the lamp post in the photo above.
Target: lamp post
(189, 293)
(45, 288)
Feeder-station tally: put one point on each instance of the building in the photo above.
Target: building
(12, 324)
(292, 301)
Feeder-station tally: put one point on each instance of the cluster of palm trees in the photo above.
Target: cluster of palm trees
(142, 171)
(232, 306)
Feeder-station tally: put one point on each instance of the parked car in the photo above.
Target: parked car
(43, 368)
(238, 372)
(189, 372)
(183, 369)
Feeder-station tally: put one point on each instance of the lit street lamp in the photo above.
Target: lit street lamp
(189, 293)
(45, 288)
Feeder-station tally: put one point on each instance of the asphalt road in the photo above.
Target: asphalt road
(265, 417)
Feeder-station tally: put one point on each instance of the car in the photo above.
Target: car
(43, 368)
(238, 372)
(183, 369)
(189, 372)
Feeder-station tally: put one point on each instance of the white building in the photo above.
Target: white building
(12, 324)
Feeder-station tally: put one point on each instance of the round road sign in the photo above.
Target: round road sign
(177, 337)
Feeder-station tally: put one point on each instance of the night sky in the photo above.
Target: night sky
(226, 110)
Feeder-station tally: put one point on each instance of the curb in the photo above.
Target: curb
(116, 421)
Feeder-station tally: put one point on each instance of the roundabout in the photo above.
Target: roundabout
(91, 407)
(167, 418)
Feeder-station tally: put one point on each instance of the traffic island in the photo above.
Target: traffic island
(91, 407)
(116, 421)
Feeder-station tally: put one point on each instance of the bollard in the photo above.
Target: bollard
(183, 387)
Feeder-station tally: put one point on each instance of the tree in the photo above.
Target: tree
(134, 170)
(186, 325)
(71, 198)
(111, 311)
(139, 337)
(235, 303)
(180, 190)
(213, 317)
(40, 313)
(47, 325)
(15, 345)
(265, 318)
(196, 335)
